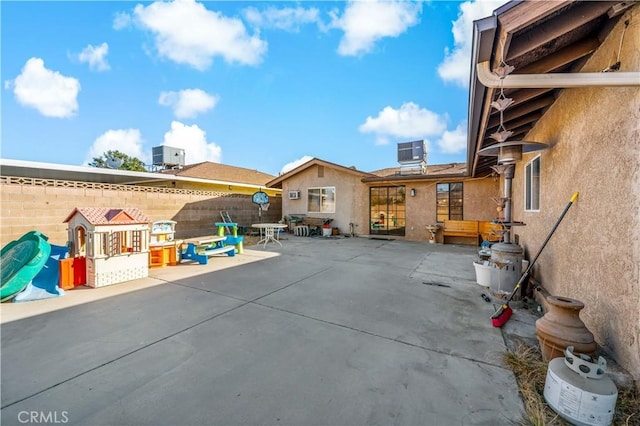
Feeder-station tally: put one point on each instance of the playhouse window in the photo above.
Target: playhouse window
(90, 245)
(136, 242)
(120, 242)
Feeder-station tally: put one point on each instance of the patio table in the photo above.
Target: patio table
(269, 232)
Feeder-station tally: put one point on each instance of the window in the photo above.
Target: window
(387, 210)
(448, 201)
(321, 200)
(532, 185)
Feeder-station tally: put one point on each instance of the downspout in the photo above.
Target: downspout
(556, 80)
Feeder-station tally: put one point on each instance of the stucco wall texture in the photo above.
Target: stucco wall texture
(594, 256)
(25, 208)
(477, 204)
(352, 197)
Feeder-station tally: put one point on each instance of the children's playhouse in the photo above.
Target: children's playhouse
(115, 242)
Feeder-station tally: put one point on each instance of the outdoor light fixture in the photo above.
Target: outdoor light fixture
(413, 192)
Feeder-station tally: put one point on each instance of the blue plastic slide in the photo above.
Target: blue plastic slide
(46, 284)
(20, 261)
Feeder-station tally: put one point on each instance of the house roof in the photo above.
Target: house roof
(110, 215)
(435, 169)
(217, 171)
(535, 37)
(277, 182)
(38, 170)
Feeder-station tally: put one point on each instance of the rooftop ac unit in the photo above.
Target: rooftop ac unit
(411, 152)
(167, 156)
(294, 195)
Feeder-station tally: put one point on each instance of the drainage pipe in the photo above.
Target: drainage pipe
(555, 80)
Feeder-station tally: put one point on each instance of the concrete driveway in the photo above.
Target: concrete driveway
(344, 331)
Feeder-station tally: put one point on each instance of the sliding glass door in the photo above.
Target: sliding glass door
(387, 210)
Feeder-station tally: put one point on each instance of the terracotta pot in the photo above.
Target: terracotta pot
(561, 327)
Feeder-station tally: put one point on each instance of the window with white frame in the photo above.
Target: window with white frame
(532, 185)
(321, 200)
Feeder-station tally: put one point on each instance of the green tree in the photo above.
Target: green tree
(128, 163)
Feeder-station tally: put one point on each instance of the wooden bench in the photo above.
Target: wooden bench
(200, 249)
(467, 229)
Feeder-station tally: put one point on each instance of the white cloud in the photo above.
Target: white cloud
(127, 141)
(122, 20)
(194, 142)
(95, 57)
(287, 19)
(456, 65)
(295, 163)
(455, 141)
(188, 103)
(366, 22)
(51, 93)
(207, 34)
(409, 121)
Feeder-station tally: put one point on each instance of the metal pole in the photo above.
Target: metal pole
(508, 178)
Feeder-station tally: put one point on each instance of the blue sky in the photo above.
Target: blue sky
(262, 85)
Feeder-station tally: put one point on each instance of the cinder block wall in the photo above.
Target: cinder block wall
(43, 205)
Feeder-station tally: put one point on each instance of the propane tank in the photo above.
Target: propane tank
(578, 390)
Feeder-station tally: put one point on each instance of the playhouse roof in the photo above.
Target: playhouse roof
(110, 216)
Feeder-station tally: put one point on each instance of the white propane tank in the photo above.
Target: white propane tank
(578, 390)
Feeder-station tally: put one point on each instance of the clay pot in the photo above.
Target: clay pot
(561, 327)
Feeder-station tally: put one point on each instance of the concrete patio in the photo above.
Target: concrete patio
(339, 331)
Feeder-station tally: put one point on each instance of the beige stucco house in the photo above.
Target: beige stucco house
(323, 189)
(386, 202)
(590, 123)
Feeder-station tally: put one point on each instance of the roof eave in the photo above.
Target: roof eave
(413, 178)
(484, 31)
(277, 182)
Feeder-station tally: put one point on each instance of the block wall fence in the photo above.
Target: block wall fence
(28, 204)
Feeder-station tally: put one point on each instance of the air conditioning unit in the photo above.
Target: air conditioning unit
(294, 195)
(411, 152)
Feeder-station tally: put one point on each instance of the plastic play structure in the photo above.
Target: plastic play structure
(232, 239)
(114, 241)
(46, 284)
(106, 246)
(22, 260)
(163, 248)
(30, 268)
(200, 249)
